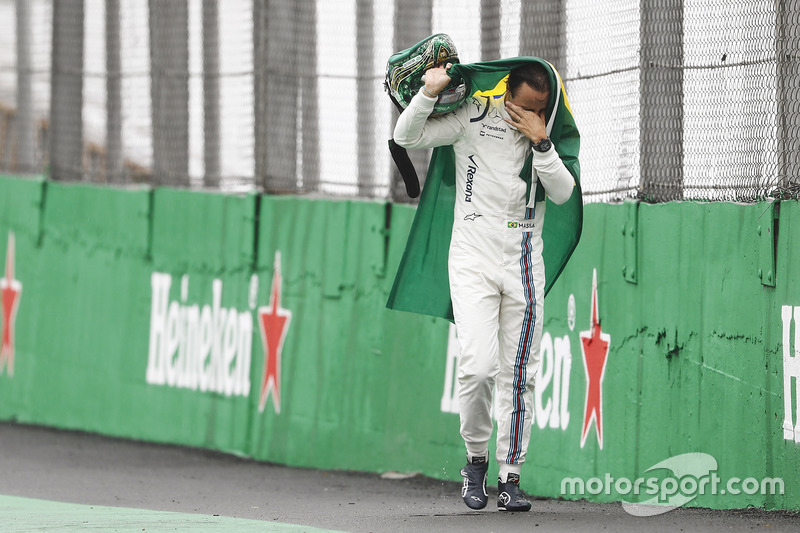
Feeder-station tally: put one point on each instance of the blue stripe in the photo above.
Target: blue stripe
(523, 349)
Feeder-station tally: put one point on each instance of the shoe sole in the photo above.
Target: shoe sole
(520, 510)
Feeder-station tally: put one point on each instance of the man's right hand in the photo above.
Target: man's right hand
(436, 79)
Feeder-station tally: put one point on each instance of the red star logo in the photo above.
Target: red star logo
(273, 321)
(594, 345)
(10, 290)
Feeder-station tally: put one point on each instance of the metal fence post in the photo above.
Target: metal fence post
(26, 162)
(364, 89)
(259, 93)
(306, 49)
(490, 30)
(211, 94)
(788, 87)
(281, 87)
(114, 156)
(169, 64)
(661, 100)
(412, 23)
(542, 31)
(66, 89)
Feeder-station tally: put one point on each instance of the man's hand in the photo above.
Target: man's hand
(436, 79)
(531, 124)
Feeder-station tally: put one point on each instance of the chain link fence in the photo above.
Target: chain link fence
(675, 99)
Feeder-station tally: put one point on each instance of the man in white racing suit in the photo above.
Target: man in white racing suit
(495, 264)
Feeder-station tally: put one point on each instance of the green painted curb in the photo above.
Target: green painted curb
(26, 514)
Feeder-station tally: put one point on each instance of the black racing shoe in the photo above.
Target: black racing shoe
(509, 495)
(474, 491)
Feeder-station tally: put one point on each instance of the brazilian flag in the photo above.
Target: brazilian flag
(421, 284)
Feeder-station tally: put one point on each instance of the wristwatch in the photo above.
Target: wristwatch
(543, 145)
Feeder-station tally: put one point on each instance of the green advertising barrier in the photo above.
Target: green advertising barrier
(360, 375)
(150, 315)
(21, 205)
(256, 325)
(691, 386)
(80, 285)
(20, 229)
(196, 349)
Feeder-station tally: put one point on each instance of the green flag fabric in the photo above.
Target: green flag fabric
(422, 282)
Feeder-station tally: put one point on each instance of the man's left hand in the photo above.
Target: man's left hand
(531, 124)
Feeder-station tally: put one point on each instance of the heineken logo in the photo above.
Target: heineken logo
(208, 347)
(273, 321)
(10, 292)
(595, 346)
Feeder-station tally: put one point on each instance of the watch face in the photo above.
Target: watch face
(543, 145)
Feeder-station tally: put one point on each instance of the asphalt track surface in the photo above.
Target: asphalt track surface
(54, 480)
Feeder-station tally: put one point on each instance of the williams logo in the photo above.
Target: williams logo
(471, 170)
(10, 291)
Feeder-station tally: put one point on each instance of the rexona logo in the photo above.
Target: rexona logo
(471, 170)
(208, 348)
(10, 292)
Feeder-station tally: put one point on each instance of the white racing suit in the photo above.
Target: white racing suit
(495, 264)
